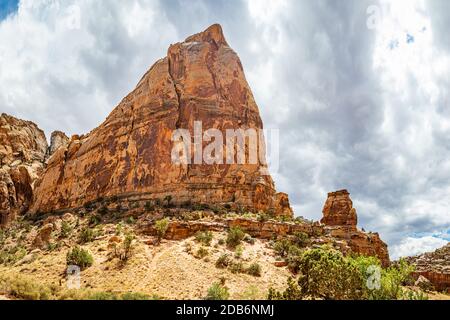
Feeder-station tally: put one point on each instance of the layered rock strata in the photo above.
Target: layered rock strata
(201, 80)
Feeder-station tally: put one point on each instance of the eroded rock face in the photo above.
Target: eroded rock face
(338, 210)
(200, 79)
(434, 266)
(23, 149)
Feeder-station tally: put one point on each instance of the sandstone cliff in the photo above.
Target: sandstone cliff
(23, 148)
(200, 79)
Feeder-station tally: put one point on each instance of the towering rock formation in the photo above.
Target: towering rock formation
(340, 221)
(130, 154)
(23, 148)
(338, 210)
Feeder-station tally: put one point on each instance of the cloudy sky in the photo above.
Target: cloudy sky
(358, 89)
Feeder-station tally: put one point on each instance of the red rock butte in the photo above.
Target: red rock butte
(129, 154)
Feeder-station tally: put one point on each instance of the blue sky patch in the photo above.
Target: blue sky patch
(7, 7)
(409, 38)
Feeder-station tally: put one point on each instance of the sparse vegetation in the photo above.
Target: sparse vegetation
(254, 269)
(87, 235)
(201, 253)
(223, 261)
(66, 229)
(217, 292)
(79, 257)
(204, 237)
(236, 267)
(161, 227)
(234, 237)
(324, 273)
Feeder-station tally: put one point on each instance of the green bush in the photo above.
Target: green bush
(201, 253)
(217, 292)
(204, 237)
(254, 269)
(103, 296)
(237, 267)
(300, 239)
(223, 261)
(282, 247)
(234, 237)
(87, 235)
(66, 229)
(325, 273)
(79, 257)
(135, 296)
(161, 227)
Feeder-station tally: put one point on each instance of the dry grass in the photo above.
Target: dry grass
(167, 270)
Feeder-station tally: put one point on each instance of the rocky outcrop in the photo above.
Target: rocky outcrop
(58, 140)
(338, 210)
(23, 148)
(130, 154)
(340, 219)
(434, 266)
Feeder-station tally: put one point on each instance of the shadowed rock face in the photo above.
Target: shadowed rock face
(201, 79)
(23, 148)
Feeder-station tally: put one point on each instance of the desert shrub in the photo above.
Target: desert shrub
(10, 256)
(161, 227)
(87, 235)
(51, 246)
(254, 270)
(392, 281)
(127, 247)
(414, 295)
(262, 217)
(239, 251)
(223, 261)
(201, 253)
(221, 242)
(135, 296)
(66, 229)
(103, 296)
(234, 237)
(23, 288)
(79, 257)
(326, 274)
(217, 292)
(204, 237)
(300, 239)
(282, 247)
(292, 292)
(236, 267)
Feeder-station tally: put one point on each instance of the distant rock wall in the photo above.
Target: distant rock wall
(23, 148)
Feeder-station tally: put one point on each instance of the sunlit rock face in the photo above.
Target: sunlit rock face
(130, 154)
(338, 210)
(23, 149)
(340, 220)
